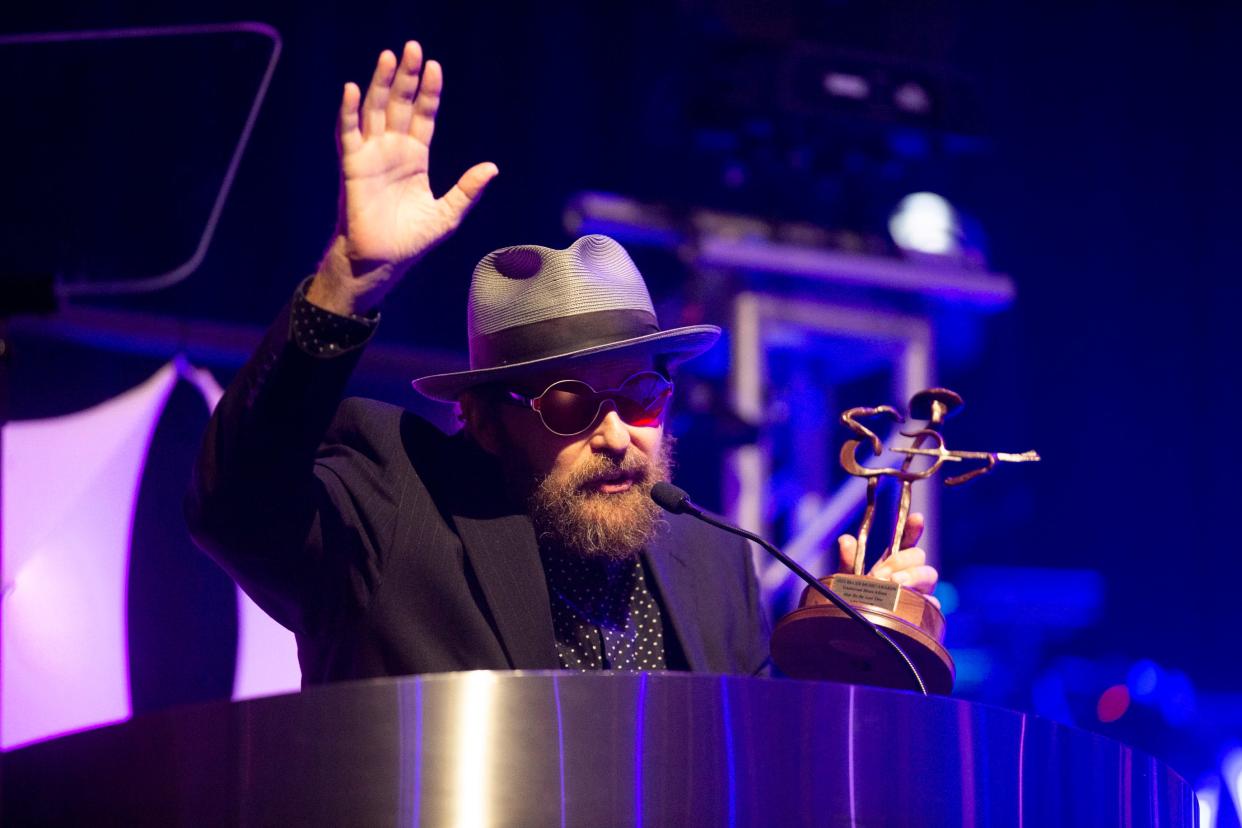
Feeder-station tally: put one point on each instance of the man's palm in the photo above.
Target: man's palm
(389, 214)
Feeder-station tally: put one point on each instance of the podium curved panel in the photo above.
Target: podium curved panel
(597, 749)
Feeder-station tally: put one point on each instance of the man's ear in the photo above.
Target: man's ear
(481, 421)
(487, 435)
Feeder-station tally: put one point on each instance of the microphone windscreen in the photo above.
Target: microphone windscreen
(669, 498)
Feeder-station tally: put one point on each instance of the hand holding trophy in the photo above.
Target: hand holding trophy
(818, 640)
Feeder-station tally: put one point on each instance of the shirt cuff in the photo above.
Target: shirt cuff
(321, 332)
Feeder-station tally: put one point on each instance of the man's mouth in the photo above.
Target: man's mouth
(612, 484)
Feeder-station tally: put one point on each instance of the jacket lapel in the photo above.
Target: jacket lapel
(678, 590)
(500, 546)
(505, 557)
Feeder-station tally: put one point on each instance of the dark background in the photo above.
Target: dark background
(1095, 145)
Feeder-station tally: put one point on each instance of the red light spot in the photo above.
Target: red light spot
(1113, 703)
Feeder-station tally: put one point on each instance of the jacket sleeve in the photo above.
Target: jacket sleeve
(258, 505)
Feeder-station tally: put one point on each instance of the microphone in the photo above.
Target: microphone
(674, 500)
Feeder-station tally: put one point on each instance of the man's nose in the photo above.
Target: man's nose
(612, 434)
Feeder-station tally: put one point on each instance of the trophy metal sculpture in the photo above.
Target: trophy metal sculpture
(819, 641)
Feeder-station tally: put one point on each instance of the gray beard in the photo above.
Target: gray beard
(571, 517)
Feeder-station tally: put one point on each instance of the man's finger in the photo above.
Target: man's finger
(923, 578)
(427, 104)
(914, 529)
(905, 559)
(468, 189)
(847, 549)
(400, 111)
(373, 117)
(349, 136)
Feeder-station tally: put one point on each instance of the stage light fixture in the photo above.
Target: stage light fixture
(926, 223)
(1143, 679)
(846, 85)
(913, 98)
(1112, 704)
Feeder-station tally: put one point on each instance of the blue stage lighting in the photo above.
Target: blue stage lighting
(1231, 770)
(1208, 794)
(1143, 679)
(949, 599)
(1176, 698)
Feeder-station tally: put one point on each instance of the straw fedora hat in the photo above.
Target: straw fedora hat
(533, 306)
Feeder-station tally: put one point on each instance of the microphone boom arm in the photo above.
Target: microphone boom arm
(673, 499)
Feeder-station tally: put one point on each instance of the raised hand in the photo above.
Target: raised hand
(907, 566)
(389, 218)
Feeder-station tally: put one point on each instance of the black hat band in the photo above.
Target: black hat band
(557, 337)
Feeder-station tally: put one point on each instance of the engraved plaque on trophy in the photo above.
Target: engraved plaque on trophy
(819, 641)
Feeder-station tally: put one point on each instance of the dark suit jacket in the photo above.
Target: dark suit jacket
(389, 548)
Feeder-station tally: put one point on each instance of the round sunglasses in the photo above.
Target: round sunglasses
(570, 407)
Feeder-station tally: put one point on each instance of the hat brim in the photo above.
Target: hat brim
(674, 345)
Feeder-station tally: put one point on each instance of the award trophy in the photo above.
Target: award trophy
(819, 641)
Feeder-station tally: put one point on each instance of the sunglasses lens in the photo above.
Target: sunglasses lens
(568, 407)
(641, 400)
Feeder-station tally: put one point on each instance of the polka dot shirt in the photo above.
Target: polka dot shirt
(604, 616)
(321, 332)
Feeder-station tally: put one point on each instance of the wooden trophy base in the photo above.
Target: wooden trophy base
(819, 641)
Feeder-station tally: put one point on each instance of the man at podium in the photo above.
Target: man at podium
(528, 539)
